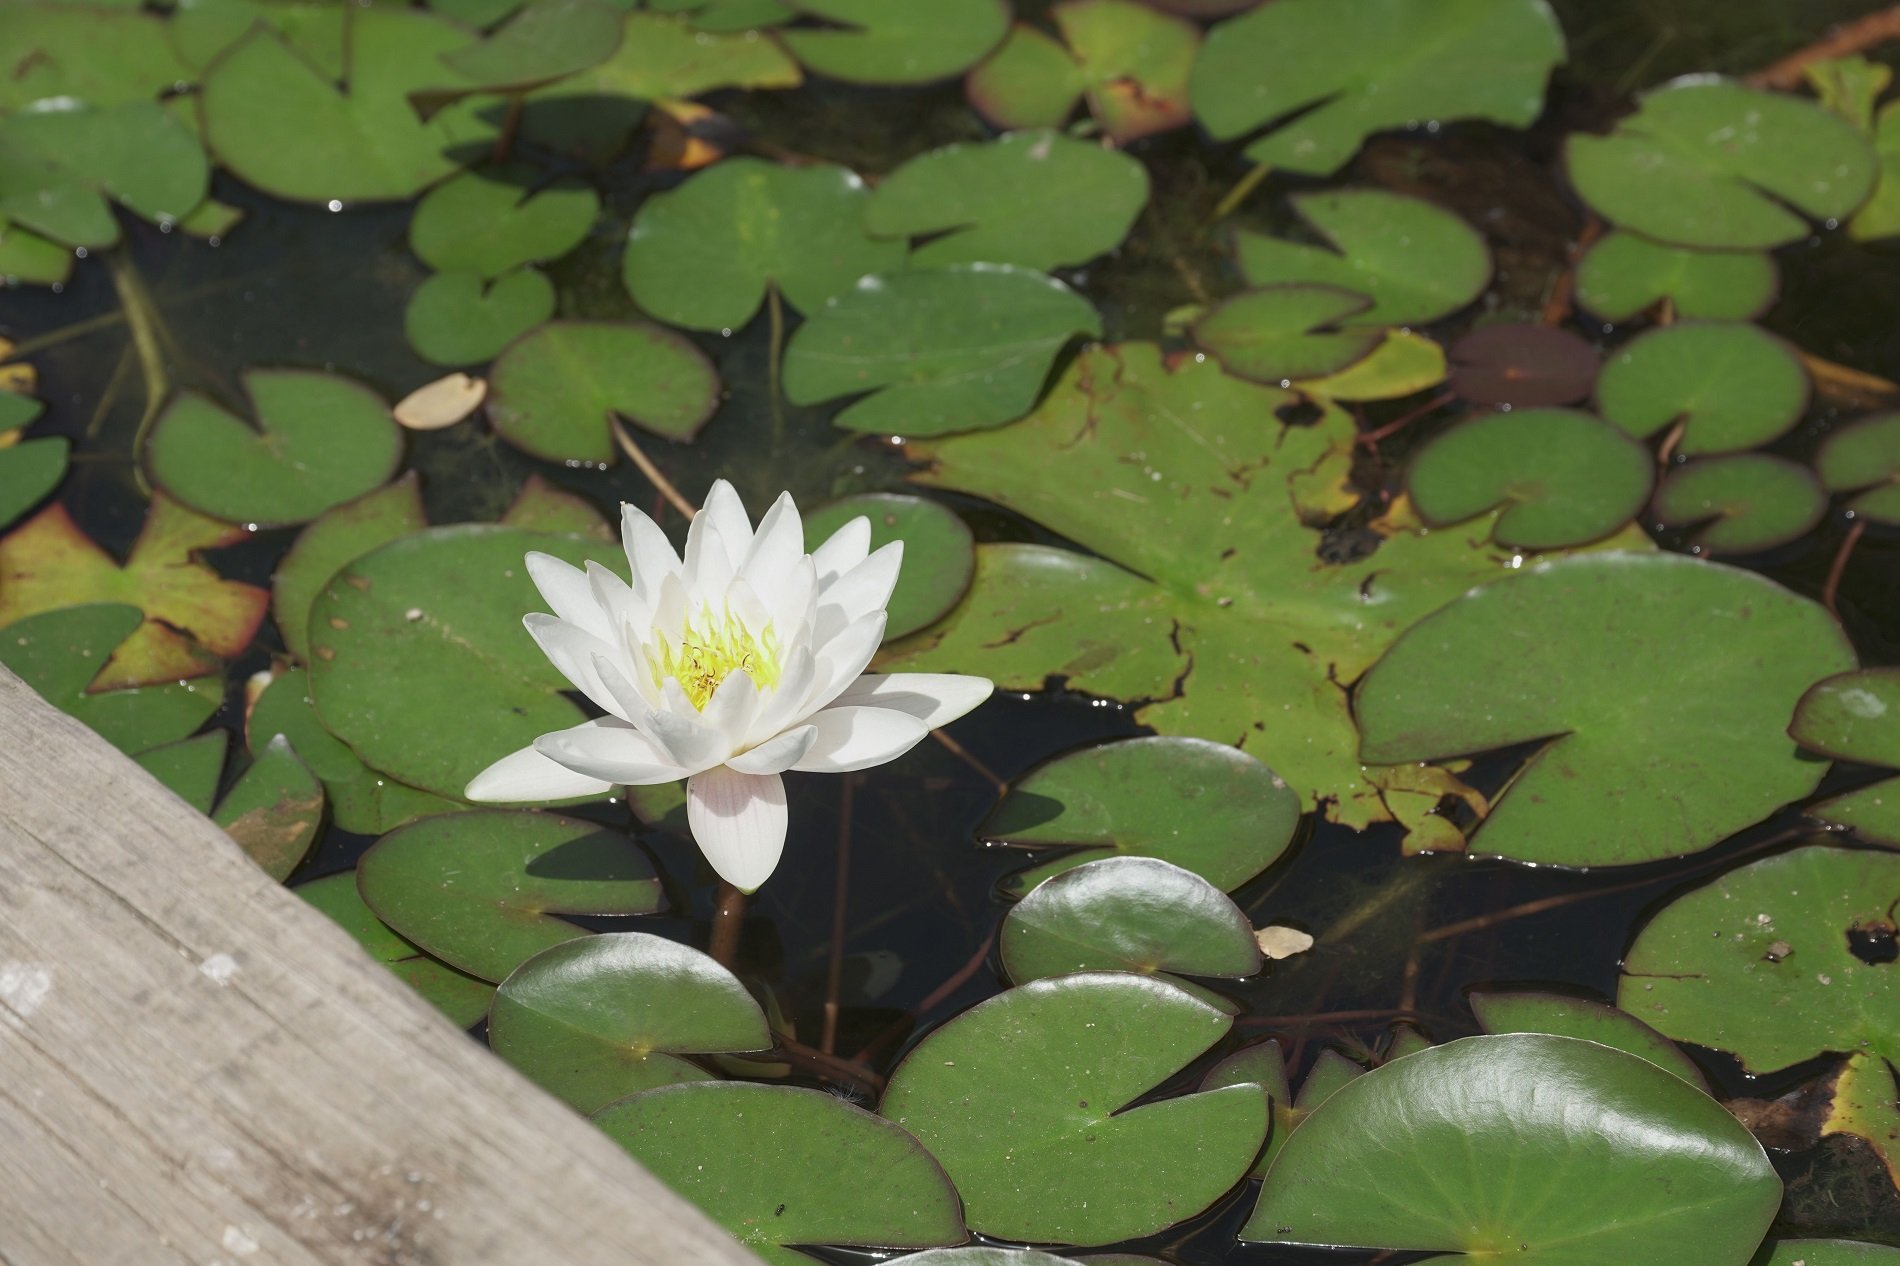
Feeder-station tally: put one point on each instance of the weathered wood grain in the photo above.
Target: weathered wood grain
(197, 1068)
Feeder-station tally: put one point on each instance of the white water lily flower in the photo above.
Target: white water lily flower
(727, 668)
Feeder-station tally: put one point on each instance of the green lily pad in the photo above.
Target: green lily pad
(28, 471)
(360, 799)
(284, 125)
(429, 627)
(939, 555)
(84, 53)
(460, 997)
(879, 43)
(1417, 262)
(1262, 1065)
(1547, 1150)
(494, 220)
(1132, 914)
(30, 259)
(319, 441)
(1025, 1098)
(61, 161)
(456, 318)
(1623, 275)
(1284, 332)
(544, 41)
(1323, 75)
(1756, 501)
(480, 890)
(948, 349)
(1866, 1102)
(274, 810)
(1524, 1011)
(703, 255)
(1761, 962)
(1856, 717)
(778, 1165)
(1879, 216)
(1563, 477)
(1732, 385)
(190, 768)
(1039, 199)
(541, 507)
(201, 30)
(336, 537)
(607, 1016)
(1175, 471)
(721, 16)
(1204, 807)
(551, 391)
(1131, 62)
(1848, 86)
(1650, 757)
(1825, 1253)
(1403, 364)
(1864, 458)
(59, 653)
(1710, 163)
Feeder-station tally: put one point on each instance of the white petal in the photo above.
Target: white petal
(572, 650)
(857, 593)
(738, 821)
(843, 550)
(610, 750)
(527, 775)
(933, 698)
(788, 701)
(778, 546)
(723, 514)
(857, 738)
(568, 593)
(649, 553)
(709, 566)
(732, 707)
(778, 755)
(678, 731)
(842, 660)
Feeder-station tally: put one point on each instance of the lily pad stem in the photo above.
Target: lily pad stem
(834, 970)
(775, 355)
(638, 457)
(1238, 194)
(728, 918)
(1838, 568)
(148, 340)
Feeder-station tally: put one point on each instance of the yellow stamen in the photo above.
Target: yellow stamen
(712, 648)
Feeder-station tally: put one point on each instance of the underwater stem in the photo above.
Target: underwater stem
(834, 971)
(774, 363)
(1838, 567)
(148, 340)
(728, 918)
(1238, 194)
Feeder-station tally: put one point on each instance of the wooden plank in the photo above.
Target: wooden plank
(197, 1068)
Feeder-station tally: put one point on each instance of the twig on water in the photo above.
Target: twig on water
(1852, 37)
(638, 457)
(930, 1002)
(957, 750)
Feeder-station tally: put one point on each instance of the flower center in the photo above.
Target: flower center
(714, 646)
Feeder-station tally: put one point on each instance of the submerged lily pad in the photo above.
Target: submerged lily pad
(455, 318)
(1864, 459)
(1825, 1253)
(63, 163)
(1283, 332)
(1563, 477)
(319, 440)
(1567, 1016)
(1205, 807)
(939, 555)
(1730, 384)
(1625, 274)
(274, 810)
(1416, 261)
(480, 890)
(1856, 717)
(1323, 75)
(1761, 962)
(1545, 1150)
(462, 998)
(778, 1165)
(1131, 62)
(1025, 1099)
(1523, 366)
(1664, 679)
(604, 1017)
(551, 392)
(704, 254)
(875, 42)
(947, 349)
(1039, 199)
(1713, 164)
(491, 221)
(1756, 501)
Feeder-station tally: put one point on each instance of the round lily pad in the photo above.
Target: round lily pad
(1563, 477)
(946, 349)
(1544, 1150)
(544, 41)
(419, 661)
(1283, 332)
(551, 392)
(603, 1017)
(874, 42)
(491, 221)
(1732, 385)
(1131, 62)
(480, 890)
(1756, 501)
(777, 1165)
(456, 318)
(1825, 1253)
(28, 471)
(1030, 80)
(1864, 458)
(1625, 274)
(1039, 199)
(1762, 962)
(1402, 364)
(1713, 164)
(1524, 1011)
(1025, 1099)
(274, 810)
(1666, 681)
(703, 255)
(1416, 261)
(62, 160)
(1133, 914)
(1856, 717)
(460, 997)
(939, 555)
(1206, 807)
(336, 537)
(319, 440)
(1523, 366)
